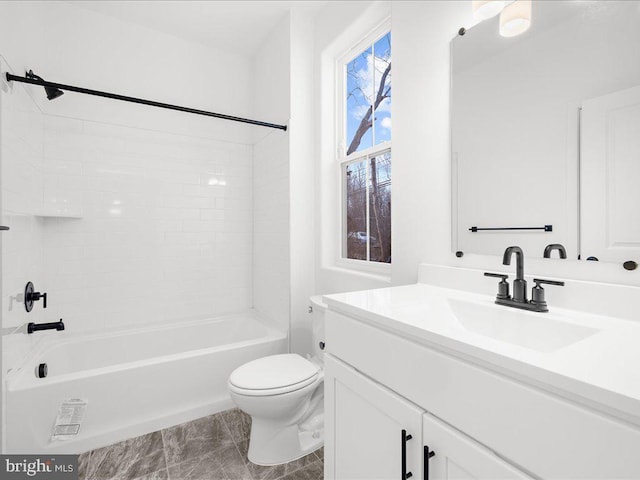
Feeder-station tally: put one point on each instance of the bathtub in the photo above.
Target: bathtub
(135, 381)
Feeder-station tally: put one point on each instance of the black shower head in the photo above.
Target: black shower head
(52, 92)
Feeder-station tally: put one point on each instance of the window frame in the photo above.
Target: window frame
(342, 159)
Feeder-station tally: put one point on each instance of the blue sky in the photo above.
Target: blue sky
(363, 79)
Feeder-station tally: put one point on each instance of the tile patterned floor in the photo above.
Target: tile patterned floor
(209, 448)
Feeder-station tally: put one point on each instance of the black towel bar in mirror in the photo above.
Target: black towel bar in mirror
(546, 228)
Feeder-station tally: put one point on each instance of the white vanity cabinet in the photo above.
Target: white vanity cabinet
(373, 433)
(365, 425)
(480, 422)
(456, 456)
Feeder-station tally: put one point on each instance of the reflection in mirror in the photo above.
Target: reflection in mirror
(546, 131)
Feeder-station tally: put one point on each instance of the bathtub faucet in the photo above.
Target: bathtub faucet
(34, 327)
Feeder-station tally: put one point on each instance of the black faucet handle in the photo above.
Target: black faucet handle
(31, 296)
(539, 281)
(537, 293)
(496, 275)
(35, 296)
(503, 285)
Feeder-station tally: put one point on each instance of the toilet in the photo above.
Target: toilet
(284, 396)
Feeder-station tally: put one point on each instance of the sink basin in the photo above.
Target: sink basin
(536, 331)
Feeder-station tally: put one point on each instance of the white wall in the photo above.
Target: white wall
(284, 167)
(271, 87)
(421, 167)
(301, 183)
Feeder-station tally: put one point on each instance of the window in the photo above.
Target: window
(365, 153)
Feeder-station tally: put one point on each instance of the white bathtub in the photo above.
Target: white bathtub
(135, 382)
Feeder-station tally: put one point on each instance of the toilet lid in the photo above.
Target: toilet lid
(274, 372)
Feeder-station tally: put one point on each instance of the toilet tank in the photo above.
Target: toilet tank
(317, 310)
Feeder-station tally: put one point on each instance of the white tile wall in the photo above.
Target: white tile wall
(166, 225)
(271, 261)
(21, 146)
(272, 96)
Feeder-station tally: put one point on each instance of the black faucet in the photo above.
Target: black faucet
(519, 299)
(519, 284)
(555, 246)
(36, 327)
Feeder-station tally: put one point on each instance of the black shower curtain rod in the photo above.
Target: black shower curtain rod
(124, 98)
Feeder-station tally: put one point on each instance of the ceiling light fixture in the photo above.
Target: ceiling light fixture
(515, 18)
(483, 9)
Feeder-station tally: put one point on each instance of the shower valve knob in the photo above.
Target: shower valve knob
(30, 296)
(37, 296)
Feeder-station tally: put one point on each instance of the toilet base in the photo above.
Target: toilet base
(272, 444)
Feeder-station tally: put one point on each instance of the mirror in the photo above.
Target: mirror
(546, 133)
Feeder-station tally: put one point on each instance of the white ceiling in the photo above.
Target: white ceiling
(238, 26)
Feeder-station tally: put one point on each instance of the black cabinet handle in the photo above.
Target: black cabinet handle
(405, 439)
(427, 455)
(4, 227)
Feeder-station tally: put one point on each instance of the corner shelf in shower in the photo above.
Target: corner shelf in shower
(58, 214)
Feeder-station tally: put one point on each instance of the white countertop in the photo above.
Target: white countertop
(601, 370)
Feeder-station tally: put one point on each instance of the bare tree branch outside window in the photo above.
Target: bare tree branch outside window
(368, 181)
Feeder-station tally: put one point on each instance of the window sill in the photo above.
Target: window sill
(380, 272)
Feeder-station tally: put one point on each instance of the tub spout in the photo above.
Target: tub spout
(35, 327)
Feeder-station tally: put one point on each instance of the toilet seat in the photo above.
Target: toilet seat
(273, 375)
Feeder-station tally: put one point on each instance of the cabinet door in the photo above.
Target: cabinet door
(457, 456)
(364, 425)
